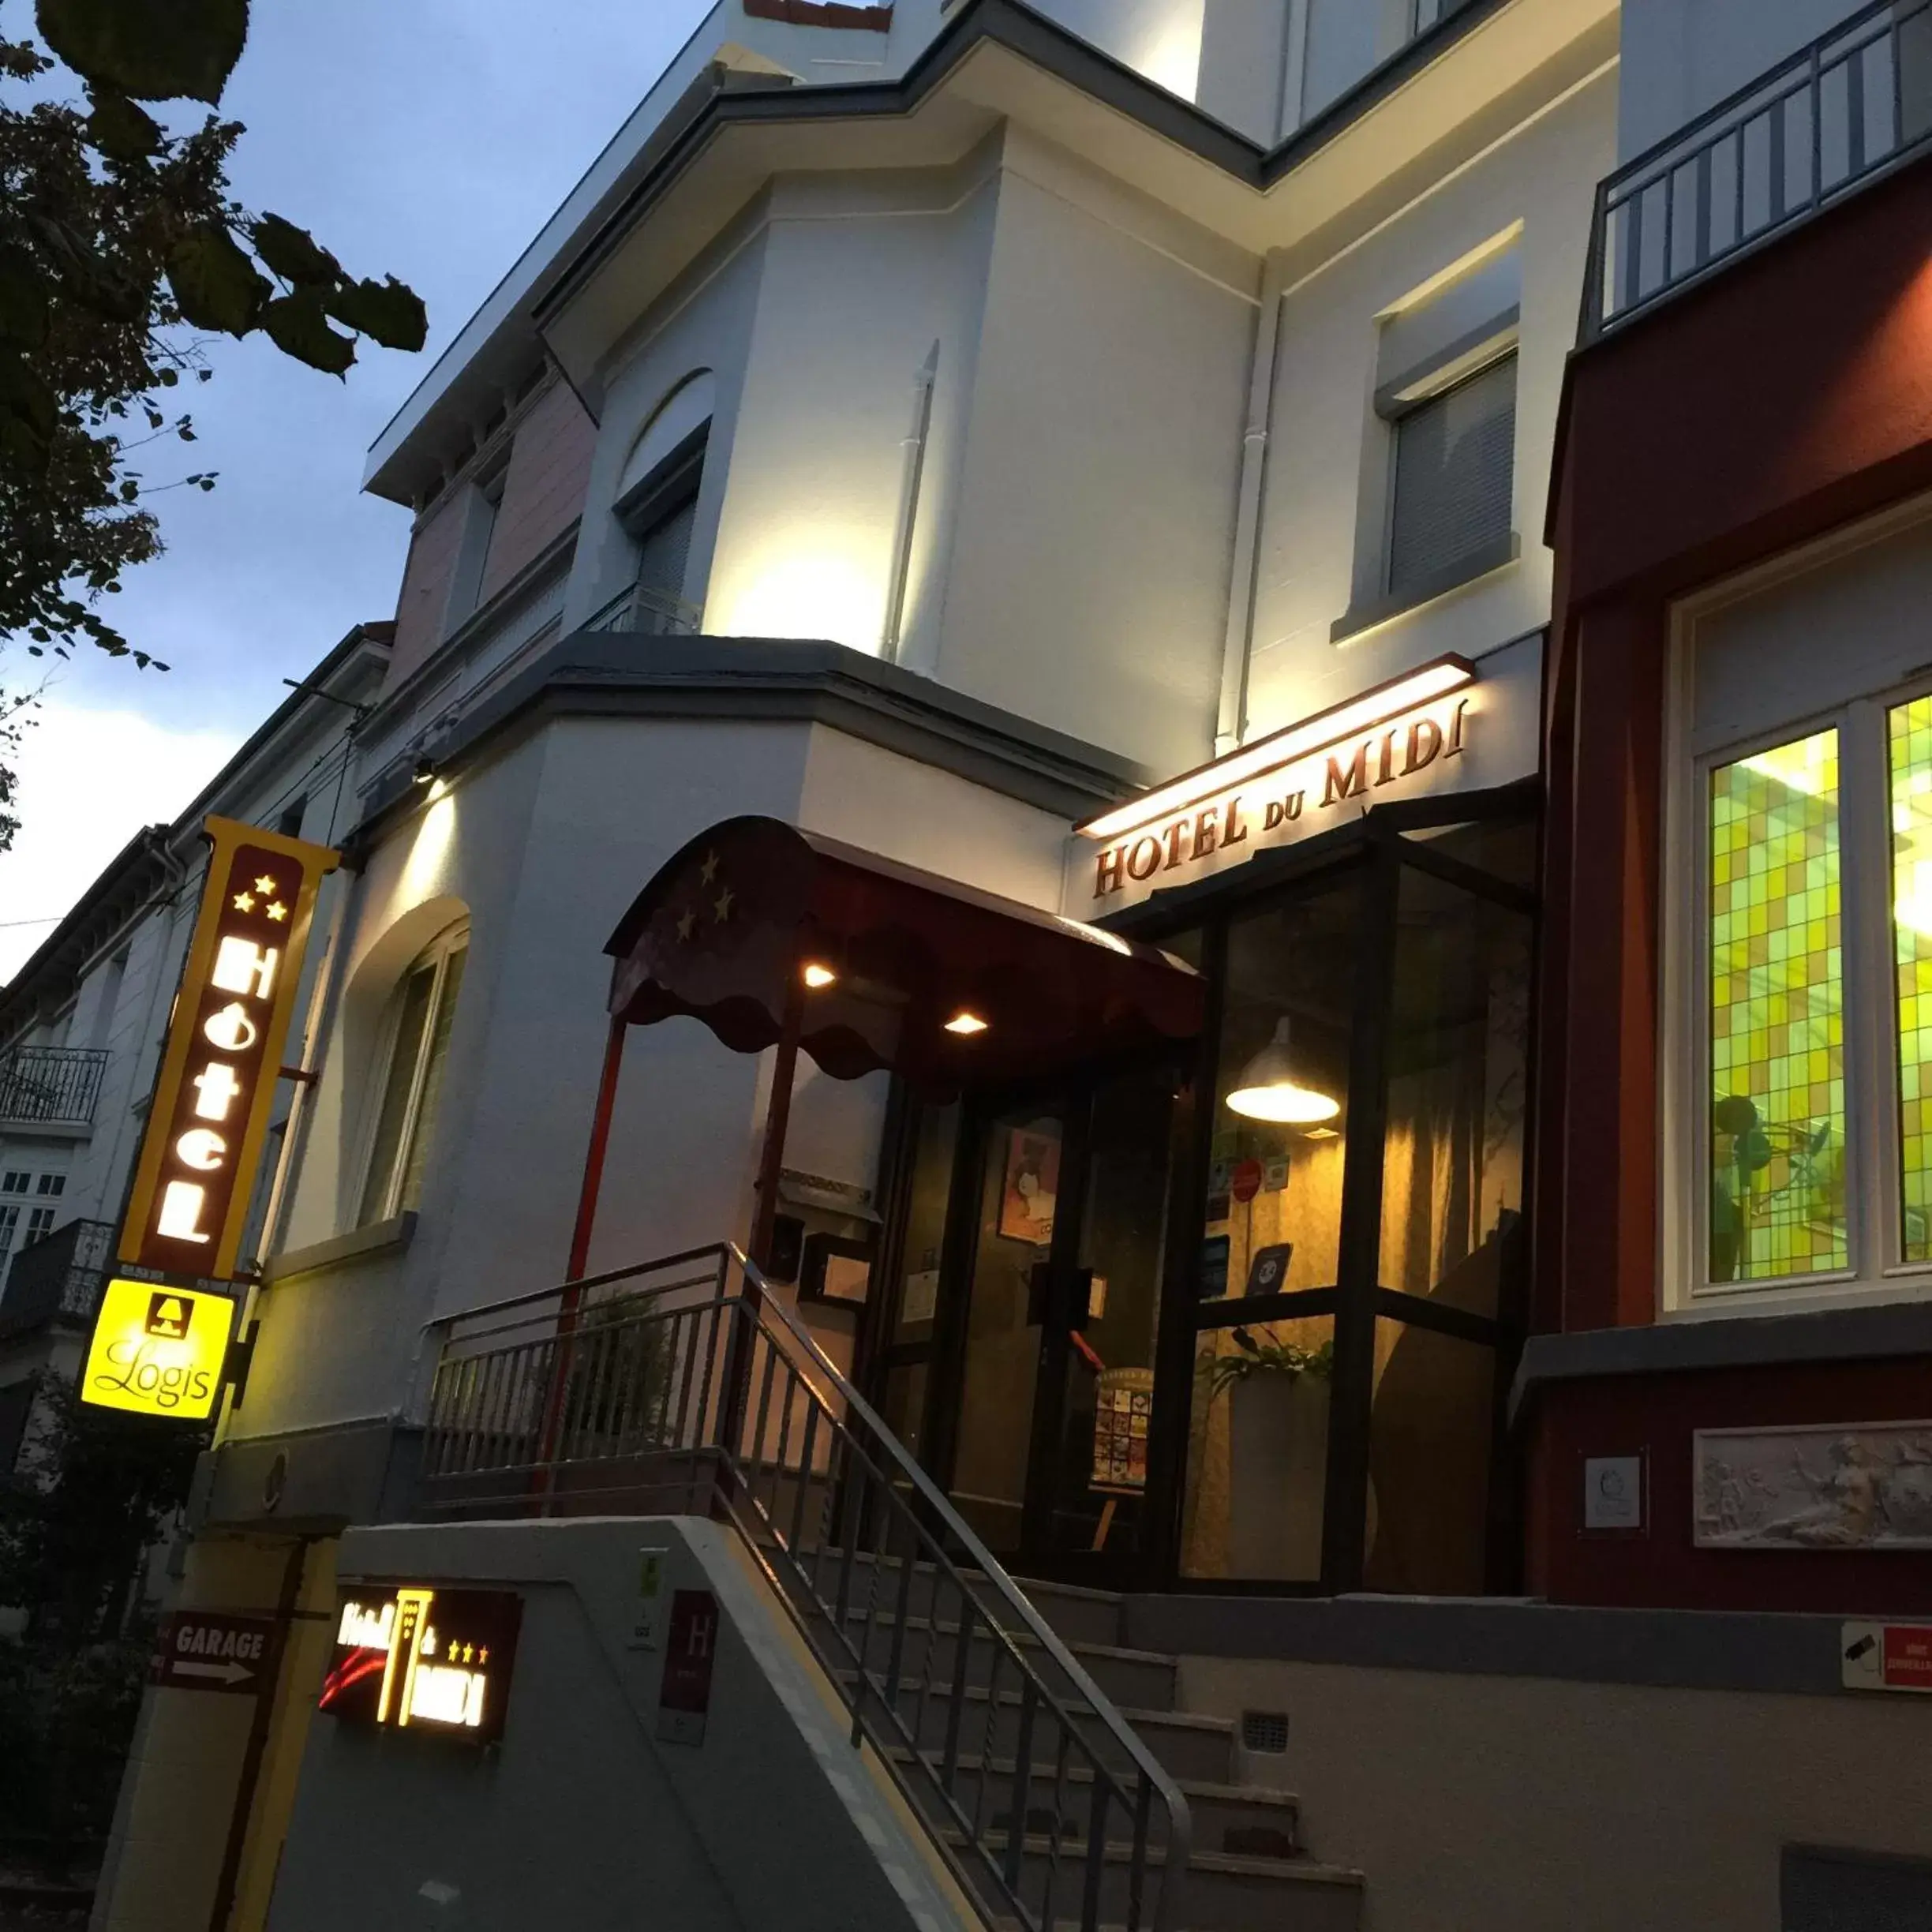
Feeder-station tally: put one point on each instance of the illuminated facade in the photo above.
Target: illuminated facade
(1231, 1186)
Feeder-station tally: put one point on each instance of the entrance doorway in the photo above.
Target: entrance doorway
(1021, 1362)
(1244, 1318)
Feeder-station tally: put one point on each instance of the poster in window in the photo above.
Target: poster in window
(1032, 1182)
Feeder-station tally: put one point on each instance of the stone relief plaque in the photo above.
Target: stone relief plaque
(1831, 1486)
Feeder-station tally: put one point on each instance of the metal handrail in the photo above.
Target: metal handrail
(53, 1086)
(653, 613)
(1636, 238)
(680, 1398)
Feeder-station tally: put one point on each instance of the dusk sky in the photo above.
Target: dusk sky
(430, 140)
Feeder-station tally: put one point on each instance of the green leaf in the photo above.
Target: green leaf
(23, 299)
(152, 50)
(297, 325)
(215, 285)
(121, 131)
(293, 252)
(385, 312)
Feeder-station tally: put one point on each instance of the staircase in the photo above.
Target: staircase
(1247, 1870)
(1049, 1762)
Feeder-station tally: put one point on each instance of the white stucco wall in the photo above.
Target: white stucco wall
(1324, 428)
(1087, 582)
(545, 846)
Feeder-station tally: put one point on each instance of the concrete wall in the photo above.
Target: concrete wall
(542, 848)
(1087, 580)
(703, 323)
(1682, 56)
(582, 1816)
(1326, 445)
(1476, 1801)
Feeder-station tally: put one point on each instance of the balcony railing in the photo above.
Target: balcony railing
(652, 613)
(682, 1386)
(49, 1086)
(1840, 113)
(57, 1278)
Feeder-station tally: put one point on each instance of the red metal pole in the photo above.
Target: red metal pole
(593, 1157)
(778, 1117)
(580, 1249)
(771, 1166)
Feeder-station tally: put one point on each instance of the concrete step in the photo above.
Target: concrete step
(1077, 1613)
(1244, 1819)
(1185, 1745)
(1224, 1894)
(928, 1651)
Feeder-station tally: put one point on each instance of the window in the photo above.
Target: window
(479, 526)
(51, 1184)
(415, 1050)
(1452, 490)
(1815, 1044)
(657, 504)
(660, 512)
(14, 1181)
(289, 821)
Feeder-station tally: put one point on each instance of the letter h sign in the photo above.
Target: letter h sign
(209, 1115)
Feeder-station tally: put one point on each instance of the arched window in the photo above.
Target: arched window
(414, 1047)
(658, 501)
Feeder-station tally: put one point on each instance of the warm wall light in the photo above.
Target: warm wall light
(1268, 1090)
(966, 1024)
(816, 976)
(1328, 728)
(425, 771)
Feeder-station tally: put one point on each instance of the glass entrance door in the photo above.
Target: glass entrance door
(1053, 1287)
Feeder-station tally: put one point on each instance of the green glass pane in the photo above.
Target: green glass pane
(1912, 927)
(1777, 1125)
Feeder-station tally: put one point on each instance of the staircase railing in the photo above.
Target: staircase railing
(673, 1386)
(1836, 115)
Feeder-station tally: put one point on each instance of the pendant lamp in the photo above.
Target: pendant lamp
(1268, 1090)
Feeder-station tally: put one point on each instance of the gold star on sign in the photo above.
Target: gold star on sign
(688, 922)
(722, 905)
(707, 871)
(278, 911)
(265, 884)
(243, 903)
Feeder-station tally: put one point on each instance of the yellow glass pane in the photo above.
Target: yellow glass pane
(1911, 731)
(1777, 1206)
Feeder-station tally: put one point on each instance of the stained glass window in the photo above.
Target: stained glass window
(1778, 1119)
(1911, 731)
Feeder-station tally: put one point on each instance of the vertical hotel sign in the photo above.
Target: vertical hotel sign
(210, 1112)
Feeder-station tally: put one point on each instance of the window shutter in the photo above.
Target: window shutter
(663, 551)
(1455, 471)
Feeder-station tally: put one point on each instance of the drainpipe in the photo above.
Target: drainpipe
(913, 466)
(1231, 724)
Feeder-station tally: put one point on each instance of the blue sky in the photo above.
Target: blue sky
(428, 139)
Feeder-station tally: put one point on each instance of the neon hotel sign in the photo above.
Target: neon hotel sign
(1339, 757)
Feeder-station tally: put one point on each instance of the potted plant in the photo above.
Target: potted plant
(1278, 1453)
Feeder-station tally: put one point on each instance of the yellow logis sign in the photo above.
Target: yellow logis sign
(210, 1112)
(158, 1350)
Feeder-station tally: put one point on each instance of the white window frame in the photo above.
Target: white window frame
(454, 939)
(1877, 1270)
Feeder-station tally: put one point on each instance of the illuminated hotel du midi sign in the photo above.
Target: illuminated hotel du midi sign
(1287, 783)
(416, 1658)
(159, 1344)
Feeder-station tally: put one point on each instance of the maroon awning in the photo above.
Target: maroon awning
(724, 931)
